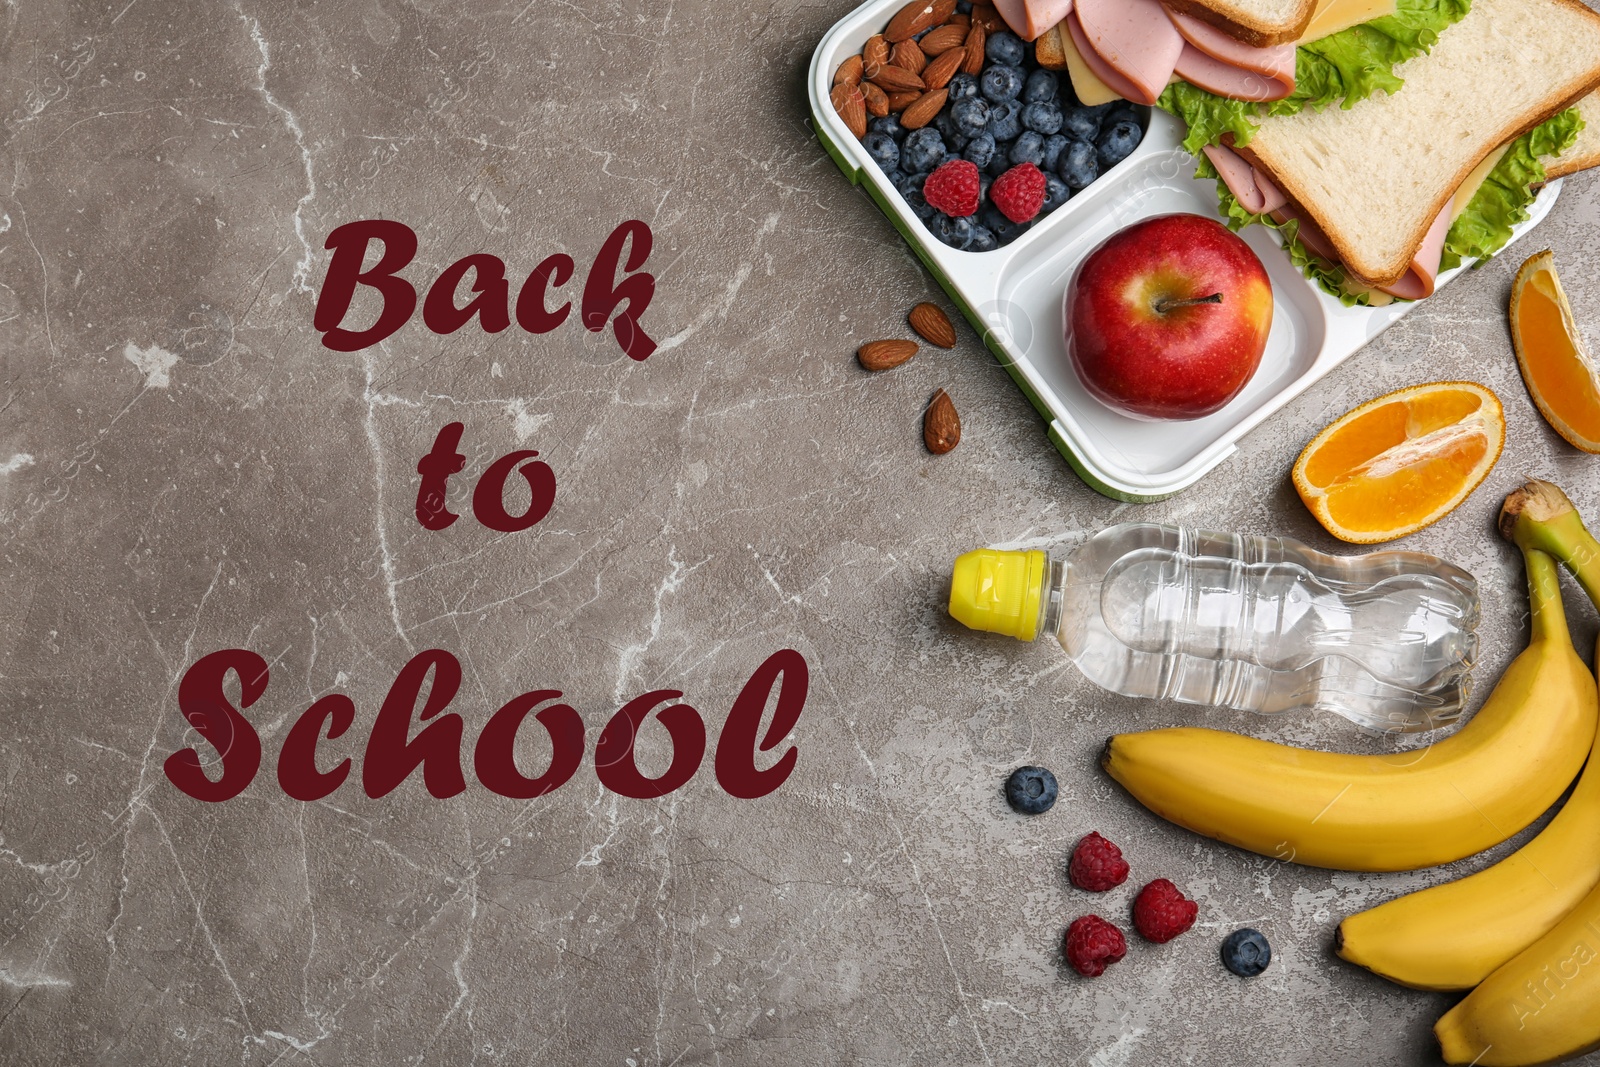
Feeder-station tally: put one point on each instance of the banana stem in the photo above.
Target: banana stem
(1540, 517)
(1544, 597)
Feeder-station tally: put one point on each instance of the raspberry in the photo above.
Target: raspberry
(1092, 944)
(1019, 192)
(1097, 865)
(1161, 912)
(953, 188)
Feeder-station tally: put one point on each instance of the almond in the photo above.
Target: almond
(959, 20)
(907, 56)
(849, 72)
(973, 64)
(893, 79)
(938, 42)
(912, 20)
(875, 54)
(877, 103)
(941, 426)
(941, 70)
(933, 325)
(901, 101)
(925, 110)
(851, 106)
(882, 355)
(986, 16)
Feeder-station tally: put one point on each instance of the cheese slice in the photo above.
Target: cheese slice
(1334, 15)
(1090, 90)
(1474, 182)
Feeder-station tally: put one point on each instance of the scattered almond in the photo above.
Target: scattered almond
(973, 64)
(849, 72)
(851, 106)
(986, 16)
(911, 20)
(959, 20)
(941, 70)
(882, 355)
(941, 426)
(893, 79)
(938, 42)
(901, 101)
(877, 103)
(875, 54)
(932, 325)
(908, 56)
(925, 110)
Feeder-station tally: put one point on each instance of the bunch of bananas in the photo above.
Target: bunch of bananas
(1524, 934)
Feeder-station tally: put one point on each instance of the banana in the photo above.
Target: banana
(1542, 1006)
(1393, 812)
(1453, 936)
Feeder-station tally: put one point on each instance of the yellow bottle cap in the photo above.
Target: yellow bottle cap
(998, 591)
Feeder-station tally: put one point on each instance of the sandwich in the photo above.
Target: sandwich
(1375, 199)
(1219, 65)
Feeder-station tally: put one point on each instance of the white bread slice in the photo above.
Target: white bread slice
(1261, 23)
(1585, 153)
(1375, 176)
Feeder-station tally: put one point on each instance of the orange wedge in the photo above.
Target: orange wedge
(1560, 375)
(1402, 461)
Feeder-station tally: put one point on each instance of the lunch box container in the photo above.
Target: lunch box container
(1012, 295)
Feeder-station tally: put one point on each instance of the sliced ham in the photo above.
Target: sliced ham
(1135, 38)
(1418, 281)
(1276, 63)
(1029, 18)
(1099, 67)
(1216, 76)
(1254, 191)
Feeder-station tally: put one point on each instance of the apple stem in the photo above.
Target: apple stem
(1164, 305)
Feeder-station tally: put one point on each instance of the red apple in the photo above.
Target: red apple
(1168, 318)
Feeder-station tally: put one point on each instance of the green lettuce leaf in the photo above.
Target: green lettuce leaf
(1481, 231)
(1346, 66)
(1502, 200)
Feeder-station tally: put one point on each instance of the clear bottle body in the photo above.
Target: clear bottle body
(1266, 624)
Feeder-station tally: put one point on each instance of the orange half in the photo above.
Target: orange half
(1402, 461)
(1560, 375)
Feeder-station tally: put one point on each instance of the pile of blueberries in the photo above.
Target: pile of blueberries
(1015, 112)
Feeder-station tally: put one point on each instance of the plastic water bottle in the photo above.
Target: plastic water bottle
(1256, 623)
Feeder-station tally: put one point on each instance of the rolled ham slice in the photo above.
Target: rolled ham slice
(1099, 67)
(1029, 18)
(1254, 191)
(1135, 38)
(1215, 76)
(1418, 281)
(1276, 63)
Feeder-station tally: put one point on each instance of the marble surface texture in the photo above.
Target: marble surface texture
(183, 468)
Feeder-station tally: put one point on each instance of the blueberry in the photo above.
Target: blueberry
(945, 123)
(889, 124)
(964, 6)
(1005, 120)
(1117, 112)
(1005, 49)
(1043, 117)
(980, 150)
(1117, 142)
(971, 115)
(1001, 161)
(961, 87)
(1031, 790)
(1055, 193)
(923, 150)
(1042, 85)
(895, 176)
(1005, 230)
(957, 233)
(1078, 165)
(884, 152)
(1001, 83)
(984, 181)
(1246, 953)
(1081, 123)
(911, 188)
(1054, 145)
(983, 240)
(1027, 148)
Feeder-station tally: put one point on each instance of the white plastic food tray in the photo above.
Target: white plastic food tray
(1012, 295)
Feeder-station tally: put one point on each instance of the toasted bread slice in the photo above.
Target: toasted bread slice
(1586, 152)
(1049, 49)
(1375, 176)
(1260, 23)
